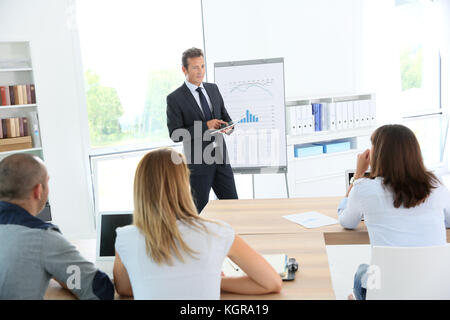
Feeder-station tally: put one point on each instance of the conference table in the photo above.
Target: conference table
(260, 223)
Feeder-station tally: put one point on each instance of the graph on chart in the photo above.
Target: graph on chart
(254, 98)
(249, 118)
(255, 90)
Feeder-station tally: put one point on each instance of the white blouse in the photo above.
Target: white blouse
(423, 225)
(192, 279)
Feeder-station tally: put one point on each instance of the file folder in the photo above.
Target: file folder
(293, 120)
(373, 113)
(308, 122)
(339, 116)
(344, 115)
(351, 114)
(332, 116)
(357, 114)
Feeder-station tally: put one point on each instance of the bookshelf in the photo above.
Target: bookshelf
(16, 70)
(322, 174)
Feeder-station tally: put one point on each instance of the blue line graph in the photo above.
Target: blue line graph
(246, 86)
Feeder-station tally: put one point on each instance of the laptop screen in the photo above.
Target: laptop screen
(350, 174)
(109, 223)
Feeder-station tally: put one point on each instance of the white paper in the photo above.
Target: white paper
(311, 219)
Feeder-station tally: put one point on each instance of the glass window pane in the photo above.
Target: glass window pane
(430, 133)
(114, 179)
(131, 51)
(417, 27)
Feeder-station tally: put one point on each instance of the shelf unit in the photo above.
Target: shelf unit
(16, 69)
(324, 174)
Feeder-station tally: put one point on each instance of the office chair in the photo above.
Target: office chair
(409, 273)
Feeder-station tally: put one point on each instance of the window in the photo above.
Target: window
(418, 29)
(131, 53)
(419, 54)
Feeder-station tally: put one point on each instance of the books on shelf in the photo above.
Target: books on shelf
(331, 116)
(14, 127)
(20, 94)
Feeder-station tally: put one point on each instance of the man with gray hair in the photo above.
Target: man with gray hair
(32, 251)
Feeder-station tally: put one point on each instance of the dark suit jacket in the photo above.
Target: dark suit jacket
(183, 110)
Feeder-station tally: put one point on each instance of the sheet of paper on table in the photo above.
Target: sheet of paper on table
(311, 219)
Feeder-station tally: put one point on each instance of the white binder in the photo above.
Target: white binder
(357, 114)
(339, 115)
(365, 113)
(309, 119)
(325, 126)
(373, 113)
(293, 120)
(300, 120)
(344, 115)
(350, 114)
(332, 116)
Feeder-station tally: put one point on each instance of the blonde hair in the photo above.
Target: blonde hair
(161, 197)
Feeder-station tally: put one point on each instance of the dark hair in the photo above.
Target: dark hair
(191, 53)
(396, 157)
(19, 174)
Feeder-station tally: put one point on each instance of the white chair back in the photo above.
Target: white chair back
(409, 273)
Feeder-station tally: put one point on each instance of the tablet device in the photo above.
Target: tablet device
(223, 127)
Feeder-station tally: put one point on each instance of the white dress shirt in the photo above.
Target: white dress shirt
(193, 88)
(422, 225)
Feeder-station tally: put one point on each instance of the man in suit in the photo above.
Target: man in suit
(194, 110)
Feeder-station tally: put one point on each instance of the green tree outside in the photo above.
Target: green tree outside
(104, 111)
(411, 61)
(160, 83)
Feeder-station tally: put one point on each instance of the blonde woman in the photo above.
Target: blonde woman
(170, 252)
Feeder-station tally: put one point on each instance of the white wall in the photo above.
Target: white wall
(47, 24)
(320, 40)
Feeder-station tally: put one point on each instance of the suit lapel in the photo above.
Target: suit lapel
(214, 101)
(192, 101)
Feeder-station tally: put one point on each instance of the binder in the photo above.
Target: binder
(351, 114)
(325, 115)
(339, 115)
(299, 119)
(356, 111)
(332, 116)
(365, 113)
(308, 119)
(292, 120)
(373, 113)
(344, 115)
(315, 111)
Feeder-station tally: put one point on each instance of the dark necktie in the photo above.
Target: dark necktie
(204, 103)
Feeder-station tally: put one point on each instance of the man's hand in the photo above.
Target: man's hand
(215, 123)
(227, 130)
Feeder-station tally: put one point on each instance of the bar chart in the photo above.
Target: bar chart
(254, 97)
(249, 118)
